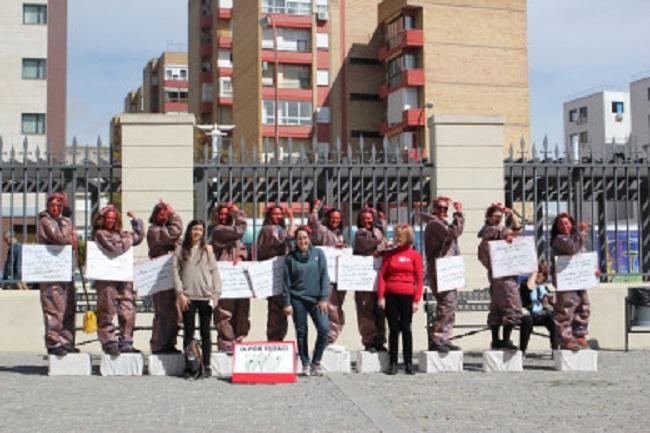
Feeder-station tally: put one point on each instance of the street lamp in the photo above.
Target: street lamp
(266, 22)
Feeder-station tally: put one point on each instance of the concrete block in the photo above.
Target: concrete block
(166, 364)
(583, 360)
(505, 361)
(436, 362)
(125, 364)
(336, 359)
(221, 364)
(372, 362)
(73, 364)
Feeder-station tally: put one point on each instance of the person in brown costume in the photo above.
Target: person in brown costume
(441, 240)
(231, 317)
(275, 240)
(505, 302)
(57, 298)
(572, 307)
(163, 235)
(116, 296)
(370, 240)
(330, 234)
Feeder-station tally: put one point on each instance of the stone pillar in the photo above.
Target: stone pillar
(467, 152)
(156, 151)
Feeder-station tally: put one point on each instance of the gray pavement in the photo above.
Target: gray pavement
(615, 399)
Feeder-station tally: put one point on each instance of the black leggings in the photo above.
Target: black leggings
(205, 317)
(399, 312)
(545, 318)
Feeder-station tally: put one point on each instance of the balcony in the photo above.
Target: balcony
(225, 100)
(176, 84)
(224, 42)
(225, 13)
(291, 21)
(407, 78)
(285, 131)
(224, 71)
(406, 39)
(291, 57)
(179, 107)
(206, 50)
(287, 94)
(411, 119)
(206, 22)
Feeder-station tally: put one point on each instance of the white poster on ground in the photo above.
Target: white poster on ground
(266, 277)
(577, 272)
(516, 258)
(234, 280)
(331, 255)
(450, 273)
(153, 276)
(358, 273)
(102, 267)
(46, 263)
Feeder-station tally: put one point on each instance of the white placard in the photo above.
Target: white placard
(331, 255)
(516, 258)
(101, 267)
(266, 277)
(46, 263)
(234, 280)
(154, 276)
(450, 273)
(358, 273)
(260, 358)
(577, 272)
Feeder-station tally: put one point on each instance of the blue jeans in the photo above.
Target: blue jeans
(301, 309)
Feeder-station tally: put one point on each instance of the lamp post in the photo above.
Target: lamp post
(268, 21)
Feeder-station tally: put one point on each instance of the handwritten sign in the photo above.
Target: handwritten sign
(576, 272)
(331, 255)
(153, 276)
(450, 273)
(266, 277)
(358, 273)
(100, 266)
(234, 280)
(272, 362)
(516, 258)
(46, 263)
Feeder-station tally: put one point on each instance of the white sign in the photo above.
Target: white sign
(154, 276)
(576, 272)
(46, 263)
(331, 255)
(102, 267)
(358, 273)
(450, 273)
(234, 280)
(516, 258)
(272, 362)
(266, 277)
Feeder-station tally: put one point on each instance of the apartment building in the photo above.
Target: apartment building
(134, 101)
(598, 124)
(320, 70)
(33, 54)
(640, 111)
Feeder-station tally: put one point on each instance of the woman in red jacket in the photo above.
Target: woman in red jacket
(399, 291)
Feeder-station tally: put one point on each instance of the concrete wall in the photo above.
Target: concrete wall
(640, 109)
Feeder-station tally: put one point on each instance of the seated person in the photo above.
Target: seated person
(537, 301)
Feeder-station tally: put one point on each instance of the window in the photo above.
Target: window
(618, 107)
(356, 133)
(395, 30)
(293, 77)
(268, 113)
(176, 96)
(34, 69)
(206, 92)
(323, 115)
(323, 77)
(291, 113)
(573, 115)
(224, 59)
(584, 137)
(287, 39)
(176, 73)
(364, 61)
(583, 114)
(34, 14)
(33, 123)
(364, 97)
(322, 40)
(397, 66)
(225, 87)
(290, 7)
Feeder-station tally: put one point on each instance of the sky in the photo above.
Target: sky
(574, 46)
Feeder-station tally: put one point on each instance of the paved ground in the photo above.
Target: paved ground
(616, 399)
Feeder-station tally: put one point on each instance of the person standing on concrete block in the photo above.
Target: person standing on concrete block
(572, 307)
(231, 316)
(370, 240)
(330, 234)
(58, 298)
(441, 240)
(399, 290)
(274, 241)
(116, 296)
(305, 291)
(163, 236)
(505, 301)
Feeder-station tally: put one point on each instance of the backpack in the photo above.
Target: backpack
(193, 360)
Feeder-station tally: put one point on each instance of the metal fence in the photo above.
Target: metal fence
(609, 193)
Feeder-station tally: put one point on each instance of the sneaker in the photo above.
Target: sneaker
(571, 345)
(496, 345)
(392, 369)
(316, 370)
(305, 370)
(453, 347)
(508, 345)
(57, 351)
(408, 369)
(112, 350)
(582, 342)
(440, 348)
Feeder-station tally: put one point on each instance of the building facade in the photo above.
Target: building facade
(33, 54)
(640, 110)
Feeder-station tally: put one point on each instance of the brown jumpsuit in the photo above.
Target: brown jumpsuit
(370, 319)
(572, 308)
(57, 298)
(505, 301)
(323, 236)
(274, 241)
(162, 240)
(116, 296)
(441, 240)
(231, 318)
